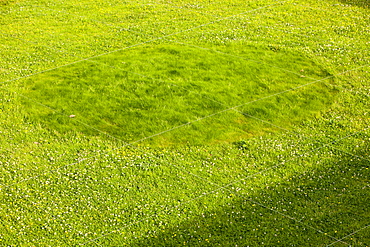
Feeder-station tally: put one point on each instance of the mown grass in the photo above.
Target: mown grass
(152, 89)
(290, 167)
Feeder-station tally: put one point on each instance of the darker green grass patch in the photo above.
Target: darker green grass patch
(5, 2)
(140, 92)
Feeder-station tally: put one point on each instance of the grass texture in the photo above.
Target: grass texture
(184, 123)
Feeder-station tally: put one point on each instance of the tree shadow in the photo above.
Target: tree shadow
(315, 208)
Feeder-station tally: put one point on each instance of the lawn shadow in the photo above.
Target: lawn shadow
(358, 3)
(331, 199)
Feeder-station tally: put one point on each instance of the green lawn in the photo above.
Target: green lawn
(184, 123)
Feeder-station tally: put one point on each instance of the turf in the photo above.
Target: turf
(149, 90)
(184, 123)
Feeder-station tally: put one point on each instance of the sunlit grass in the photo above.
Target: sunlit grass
(288, 166)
